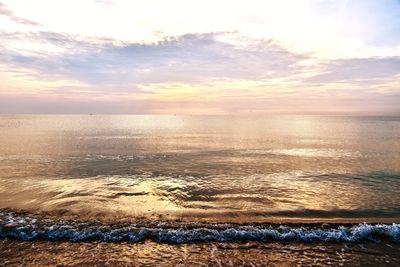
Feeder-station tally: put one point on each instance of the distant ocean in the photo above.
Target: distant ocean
(221, 184)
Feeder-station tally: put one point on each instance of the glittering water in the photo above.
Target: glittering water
(218, 168)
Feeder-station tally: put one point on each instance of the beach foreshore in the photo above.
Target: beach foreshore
(38, 239)
(148, 253)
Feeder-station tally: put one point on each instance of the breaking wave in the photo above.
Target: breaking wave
(29, 229)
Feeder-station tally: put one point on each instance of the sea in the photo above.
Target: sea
(172, 190)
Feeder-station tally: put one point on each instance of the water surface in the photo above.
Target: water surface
(216, 168)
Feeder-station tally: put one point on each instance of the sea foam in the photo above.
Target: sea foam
(28, 229)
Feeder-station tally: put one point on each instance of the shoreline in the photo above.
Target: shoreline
(191, 218)
(29, 227)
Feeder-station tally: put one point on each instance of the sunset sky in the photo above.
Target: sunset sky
(200, 57)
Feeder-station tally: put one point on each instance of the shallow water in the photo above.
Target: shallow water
(217, 180)
(223, 168)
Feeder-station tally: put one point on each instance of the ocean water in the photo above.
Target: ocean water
(201, 179)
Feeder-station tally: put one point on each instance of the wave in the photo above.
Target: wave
(30, 229)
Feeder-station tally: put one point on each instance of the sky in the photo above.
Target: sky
(336, 57)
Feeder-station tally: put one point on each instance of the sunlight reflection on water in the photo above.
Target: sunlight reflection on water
(246, 167)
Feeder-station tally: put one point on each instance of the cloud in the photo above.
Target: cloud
(4, 11)
(55, 104)
(219, 73)
(107, 3)
(190, 58)
(358, 70)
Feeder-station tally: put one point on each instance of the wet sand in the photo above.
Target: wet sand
(44, 253)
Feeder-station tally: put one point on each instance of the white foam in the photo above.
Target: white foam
(32, 229)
